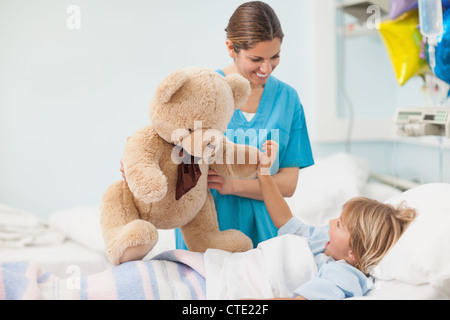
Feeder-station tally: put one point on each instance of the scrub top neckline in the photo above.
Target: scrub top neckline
(264, 107)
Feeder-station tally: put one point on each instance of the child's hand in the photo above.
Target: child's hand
(268, 157)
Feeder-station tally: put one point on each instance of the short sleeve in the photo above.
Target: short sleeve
(298, 151)
(317, 236)
(293, 226)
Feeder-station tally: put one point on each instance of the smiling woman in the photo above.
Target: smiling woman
(273, 111)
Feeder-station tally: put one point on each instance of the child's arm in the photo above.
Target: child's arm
(277, 207)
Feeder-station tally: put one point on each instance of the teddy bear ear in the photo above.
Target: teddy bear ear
(171, 84)
(240, 87)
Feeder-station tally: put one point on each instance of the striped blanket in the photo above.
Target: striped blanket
(176, 274)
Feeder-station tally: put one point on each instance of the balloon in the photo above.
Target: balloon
(403, 41)
(442, 69)
(398, 7)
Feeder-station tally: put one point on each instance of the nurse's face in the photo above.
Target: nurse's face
(256, 64)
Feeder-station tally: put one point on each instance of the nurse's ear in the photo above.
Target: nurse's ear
(230, 48)
(240, 87)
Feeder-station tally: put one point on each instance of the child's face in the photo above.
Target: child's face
(339, 245)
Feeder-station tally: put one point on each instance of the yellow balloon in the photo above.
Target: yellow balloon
(403, 40)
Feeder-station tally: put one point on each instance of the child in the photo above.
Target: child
(347, 249)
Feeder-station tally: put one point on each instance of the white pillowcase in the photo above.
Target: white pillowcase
(422, 254)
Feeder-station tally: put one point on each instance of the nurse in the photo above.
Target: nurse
(272, 112)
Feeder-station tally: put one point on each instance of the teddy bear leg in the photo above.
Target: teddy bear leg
(126, 236)
(203, 232)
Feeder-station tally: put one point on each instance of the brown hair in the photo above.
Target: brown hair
(251, 23)
(374, 228)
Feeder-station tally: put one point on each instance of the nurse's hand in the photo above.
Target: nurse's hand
(122, 170)
(222, 184)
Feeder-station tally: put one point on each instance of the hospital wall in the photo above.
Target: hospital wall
(70, 95)
(359, 77)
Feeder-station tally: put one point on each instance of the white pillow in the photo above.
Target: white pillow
(323, 188)
(82, 225)
(422, 254)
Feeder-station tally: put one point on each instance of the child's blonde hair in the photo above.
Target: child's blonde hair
(374, 228)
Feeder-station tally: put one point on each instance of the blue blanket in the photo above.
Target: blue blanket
(176, 274)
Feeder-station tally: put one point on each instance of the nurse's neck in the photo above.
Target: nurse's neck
(257, 86)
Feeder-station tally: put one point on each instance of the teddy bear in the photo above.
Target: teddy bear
(166, 166)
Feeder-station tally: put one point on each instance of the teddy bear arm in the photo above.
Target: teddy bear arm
(238, 162)
(141, 166)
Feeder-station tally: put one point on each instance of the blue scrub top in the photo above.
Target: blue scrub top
(279, 117)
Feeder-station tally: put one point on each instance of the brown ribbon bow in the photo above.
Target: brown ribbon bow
(188, 174)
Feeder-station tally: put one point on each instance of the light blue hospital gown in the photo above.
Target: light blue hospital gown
(336, 279)
(279, 117)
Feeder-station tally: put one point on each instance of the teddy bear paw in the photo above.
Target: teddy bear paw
(132, 242)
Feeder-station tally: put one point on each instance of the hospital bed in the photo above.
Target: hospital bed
(418, 267)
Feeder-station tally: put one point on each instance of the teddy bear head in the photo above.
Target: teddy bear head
(196, 98)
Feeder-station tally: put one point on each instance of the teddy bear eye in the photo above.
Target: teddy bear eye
(190, 130)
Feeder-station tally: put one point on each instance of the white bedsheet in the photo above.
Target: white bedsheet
(274, 269)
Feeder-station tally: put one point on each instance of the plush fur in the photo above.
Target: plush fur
(191, 109)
